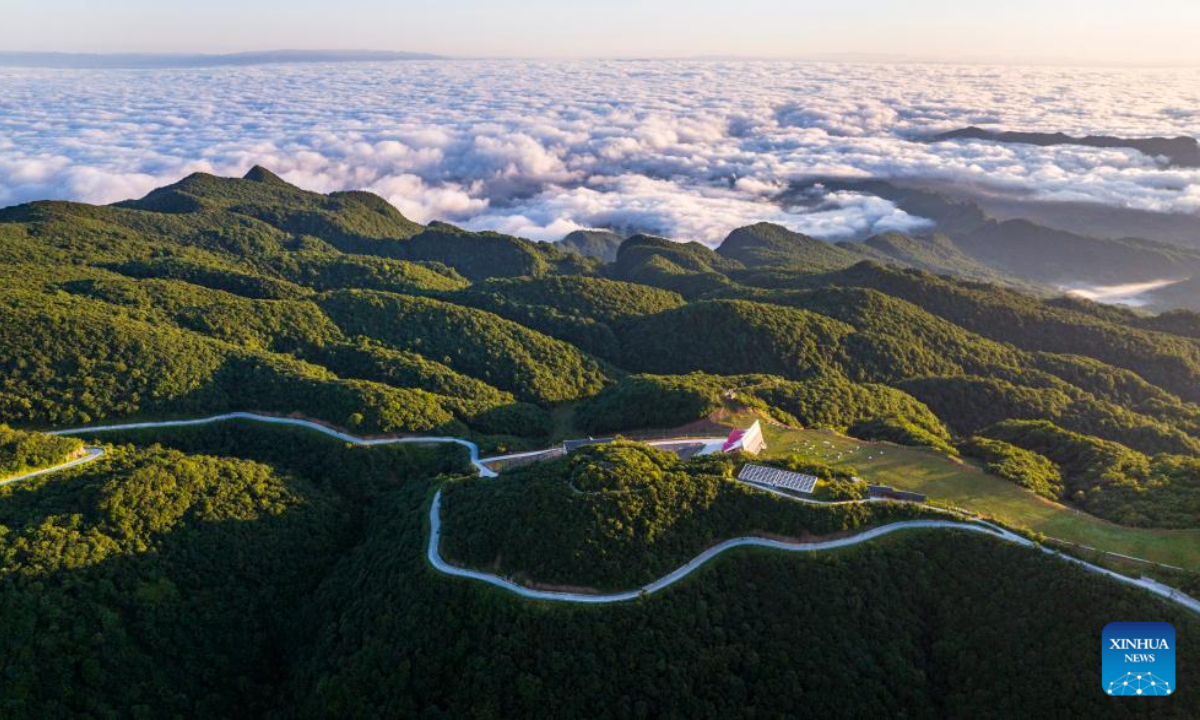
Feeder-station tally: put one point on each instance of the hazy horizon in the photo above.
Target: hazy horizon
(1101, 32)
(850, 58)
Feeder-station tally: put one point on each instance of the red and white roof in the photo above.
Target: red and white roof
(749, 440)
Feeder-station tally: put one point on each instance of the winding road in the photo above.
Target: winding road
(93, 453)
(298, 422)
(435, 558)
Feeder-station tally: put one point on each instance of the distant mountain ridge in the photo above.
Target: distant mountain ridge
(151, 61)
(1180, 151)
(765, 245)
(1027, 251)
(600, 244)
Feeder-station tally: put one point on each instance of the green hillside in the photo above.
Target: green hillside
(936, 254)
(215, 294)
(691, 269)
(477, 343)
(1034, 254)
(1169, 362)
(924, 622)
(293, 558)
(766, 245)
(599, 244)
(21, 451)
(350, 221)
(248, 570)
(618, 516)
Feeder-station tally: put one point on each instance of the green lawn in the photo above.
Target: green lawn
(968, 487)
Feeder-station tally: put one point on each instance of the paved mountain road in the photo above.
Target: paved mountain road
(433, 553)
(299, 422)
(689, 567)
(92, 454)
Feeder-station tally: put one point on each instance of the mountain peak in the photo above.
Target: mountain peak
(765, 244)
(258, 173)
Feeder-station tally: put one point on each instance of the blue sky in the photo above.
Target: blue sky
(1088, 31)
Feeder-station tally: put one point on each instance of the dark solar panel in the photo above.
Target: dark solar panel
(775, 477)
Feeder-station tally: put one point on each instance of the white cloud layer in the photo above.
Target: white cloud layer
(685, 149)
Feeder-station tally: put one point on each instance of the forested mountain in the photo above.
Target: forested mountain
(217, 294)
(766, 245)
(620, 515)
(691, 269)
(1077, 251)
(600, 244)
(237, 570)
(936, 254)
(923, 625)
(22, 451)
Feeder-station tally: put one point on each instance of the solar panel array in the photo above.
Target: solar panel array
(775, 477)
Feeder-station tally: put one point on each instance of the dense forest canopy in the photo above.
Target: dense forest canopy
(617, 516)
(220, 294)
(238, 570)
(22, 451)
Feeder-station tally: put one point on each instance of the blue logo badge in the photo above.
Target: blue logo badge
(1139, 658)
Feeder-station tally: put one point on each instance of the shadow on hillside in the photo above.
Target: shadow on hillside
(197, 624)
(169, 601)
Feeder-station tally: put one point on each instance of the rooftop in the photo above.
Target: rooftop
(797, 482)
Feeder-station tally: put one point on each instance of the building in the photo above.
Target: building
(749, 441)
(774, 477)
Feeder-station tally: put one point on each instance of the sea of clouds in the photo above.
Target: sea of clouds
(686, 149)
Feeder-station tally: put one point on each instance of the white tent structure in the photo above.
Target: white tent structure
(749, 440)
